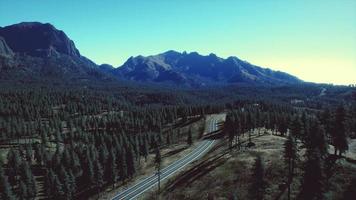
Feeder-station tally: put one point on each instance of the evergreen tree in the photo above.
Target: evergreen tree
(23, 191)
(258, 184)
(339, 132)
(145, 150)
(99, 175)
(13, 160)
(296, 127)
(122, 165)
(28, 179)
(158, 162)
(130, 162)
(168, 138)
(312, 186)
(112, 168)
(290, 157)
(57, 191)
(49, 183)
(228, 129)
(38, 154)
(72, 183)
(5, 188)
(190, 137)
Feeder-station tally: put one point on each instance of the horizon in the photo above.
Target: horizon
(299, 38)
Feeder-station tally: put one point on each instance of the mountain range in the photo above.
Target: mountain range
(33, 51)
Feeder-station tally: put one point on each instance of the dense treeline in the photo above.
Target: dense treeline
(78, 141)
(81, 141)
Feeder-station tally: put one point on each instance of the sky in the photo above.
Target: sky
(314, 40)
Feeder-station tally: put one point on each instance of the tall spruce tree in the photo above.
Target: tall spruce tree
(290, 158)
(5, 188)
(258, 183)
(339, 131)
(312, 186)
(57, 190)
(158, 162)
(28, 179)
(190, 137)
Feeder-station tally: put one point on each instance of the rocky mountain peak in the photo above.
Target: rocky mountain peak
(38, 39)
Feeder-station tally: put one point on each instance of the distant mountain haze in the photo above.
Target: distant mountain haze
(37, 51)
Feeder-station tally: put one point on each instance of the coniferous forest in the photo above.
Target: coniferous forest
(145, 119)
(73, 143)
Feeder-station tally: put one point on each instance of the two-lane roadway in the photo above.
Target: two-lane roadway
(147, 183)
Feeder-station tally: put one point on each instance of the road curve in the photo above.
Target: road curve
(147, 183)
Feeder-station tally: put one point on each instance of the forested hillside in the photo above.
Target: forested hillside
(69, 143)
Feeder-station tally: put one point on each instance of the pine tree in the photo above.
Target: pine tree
(228, 129)
(145, 148)
(65, 179)
(99, 175)
(190, 137)
(290, 157)
(312, 186)
(237, 132)
(49, 183)
(168, 138)
(112, 168)
(13, 160)
(122, 165)
(89, 171)
(158, 162)
(130, 162)
(23, 191)
(28, 179)
(57, 191)
(258, 184)
(316, 138)
(5, 188)
(296, 127)
(38, 154)
(339, 131)
(160, 137)
(73, 183)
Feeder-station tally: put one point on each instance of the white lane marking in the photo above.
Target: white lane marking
(164, 170)
(211, 129)
(154, 176)
(212, 126)
(149, 187)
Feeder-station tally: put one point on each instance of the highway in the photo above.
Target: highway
(147, 183)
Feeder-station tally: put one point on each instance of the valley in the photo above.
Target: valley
(172, 125)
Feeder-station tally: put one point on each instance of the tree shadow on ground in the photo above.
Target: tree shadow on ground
(190, 121)
(200, 169)
(173, 152)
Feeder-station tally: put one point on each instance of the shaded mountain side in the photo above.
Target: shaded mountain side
(37, 39)
(194, 69)
(5, 50)
(36, 52)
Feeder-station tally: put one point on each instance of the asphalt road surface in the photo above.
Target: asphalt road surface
(147, 183)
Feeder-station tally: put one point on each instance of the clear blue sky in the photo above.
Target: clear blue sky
(312, 39)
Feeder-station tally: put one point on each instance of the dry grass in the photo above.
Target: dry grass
(222, 173)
